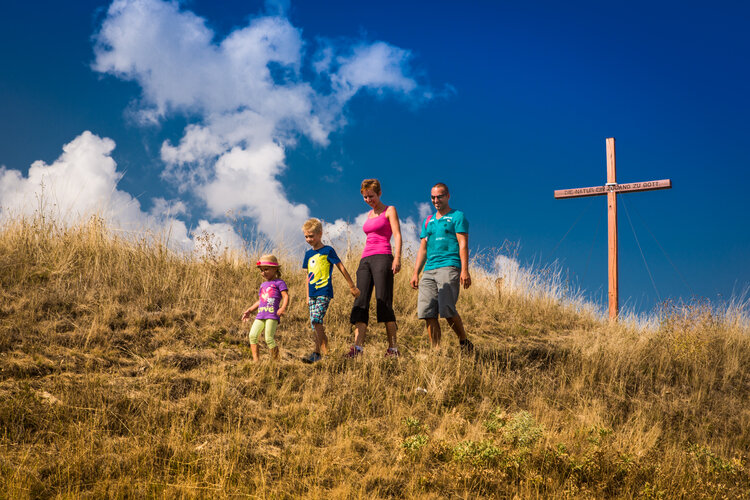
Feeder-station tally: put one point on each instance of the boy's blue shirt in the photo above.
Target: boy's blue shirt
(319, 264)
(442, 243)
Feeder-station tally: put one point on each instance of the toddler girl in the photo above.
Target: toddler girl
(271, 305)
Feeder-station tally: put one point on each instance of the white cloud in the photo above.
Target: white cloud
(379, 66)
(216, 238)
(246, 182)
(506, 268)
(425, 210)
(162, 207)
(323, 58)
(345, 236)
(250, 97)
(81, 183)
(410, 235)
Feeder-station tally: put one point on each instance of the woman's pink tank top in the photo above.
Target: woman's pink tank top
(378, 231)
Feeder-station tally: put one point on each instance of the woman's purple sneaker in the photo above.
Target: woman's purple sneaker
(392, 352)
(353, 352)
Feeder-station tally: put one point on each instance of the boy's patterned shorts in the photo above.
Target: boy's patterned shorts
(318, 307)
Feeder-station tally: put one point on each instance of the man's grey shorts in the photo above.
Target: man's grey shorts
(438, 293)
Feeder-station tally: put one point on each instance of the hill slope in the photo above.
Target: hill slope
(124, 371)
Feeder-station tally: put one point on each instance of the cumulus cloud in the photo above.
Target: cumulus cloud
(425, 210)
(213, 238)
(161, 207)
(345, 235)
(410, 235)
(83, 182)
(506, 267)
(378, 65)
(249, 94)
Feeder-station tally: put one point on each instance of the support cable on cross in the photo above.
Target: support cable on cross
(664, 252)
(591, 249)
(648, 270)
(580, 216)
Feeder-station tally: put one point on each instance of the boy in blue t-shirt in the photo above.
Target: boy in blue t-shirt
(318, 264)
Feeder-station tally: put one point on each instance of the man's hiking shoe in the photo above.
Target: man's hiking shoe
(392, 352)
(312, 358)
(353, 352)
(466, 346)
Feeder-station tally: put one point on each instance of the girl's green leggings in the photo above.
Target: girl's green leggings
(269, 325)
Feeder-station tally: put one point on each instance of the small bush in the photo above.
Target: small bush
(477, 453)
(413, 426)
(522, 430)
(415, 443)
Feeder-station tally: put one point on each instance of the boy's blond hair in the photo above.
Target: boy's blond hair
(373, 184)
(313, 225)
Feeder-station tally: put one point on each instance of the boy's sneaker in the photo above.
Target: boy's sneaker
(392, 352)
(312, 358)
(353, 352)
(466, 346)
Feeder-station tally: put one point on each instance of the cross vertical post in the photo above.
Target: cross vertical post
(611, 188)
(614, 307)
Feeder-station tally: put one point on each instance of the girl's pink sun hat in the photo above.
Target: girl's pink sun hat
(268, 260)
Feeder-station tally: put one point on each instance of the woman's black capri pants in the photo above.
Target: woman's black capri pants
(374, 271)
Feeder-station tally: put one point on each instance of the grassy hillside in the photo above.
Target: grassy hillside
(125, 372)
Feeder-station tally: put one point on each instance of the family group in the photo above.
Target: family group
(443, 254)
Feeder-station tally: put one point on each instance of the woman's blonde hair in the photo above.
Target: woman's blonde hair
(313, 225)
(373, 184)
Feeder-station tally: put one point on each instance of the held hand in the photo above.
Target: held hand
(396, 266)
(465, 279)
(246, 315)
(354, 290)
(414, 281)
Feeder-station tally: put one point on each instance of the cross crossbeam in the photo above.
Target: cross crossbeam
(611, 188)
(617, 188)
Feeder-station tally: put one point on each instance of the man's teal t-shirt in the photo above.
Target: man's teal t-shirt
(442, 244)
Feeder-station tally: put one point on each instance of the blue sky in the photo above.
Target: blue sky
(505, 102)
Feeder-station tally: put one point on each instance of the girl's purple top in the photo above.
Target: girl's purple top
(378, 231)
(270, 299)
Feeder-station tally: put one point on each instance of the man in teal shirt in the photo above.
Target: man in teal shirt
(444, 254)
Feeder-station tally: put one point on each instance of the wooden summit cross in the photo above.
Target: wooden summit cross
(611, 188)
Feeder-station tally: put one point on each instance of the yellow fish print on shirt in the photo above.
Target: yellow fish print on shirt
(319, 269)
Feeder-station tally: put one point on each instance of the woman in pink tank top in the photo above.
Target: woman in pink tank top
(376, 269)
(378, 230)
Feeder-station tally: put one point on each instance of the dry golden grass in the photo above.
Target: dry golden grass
(124, 372)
